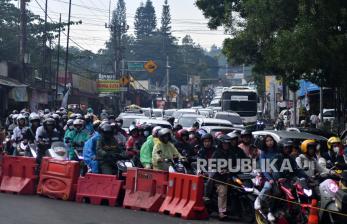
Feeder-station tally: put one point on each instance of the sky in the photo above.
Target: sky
(92, 34)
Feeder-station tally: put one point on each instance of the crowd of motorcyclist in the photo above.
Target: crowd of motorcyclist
(100, 141)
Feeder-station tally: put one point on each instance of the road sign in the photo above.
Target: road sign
(136, 66)
(124, 80)
(150, 66)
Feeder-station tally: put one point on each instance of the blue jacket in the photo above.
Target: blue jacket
(268, 155)
(89, 152)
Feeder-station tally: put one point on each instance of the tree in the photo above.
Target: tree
(291, 39)
(165, 28)
(119, 27)
(145, 20)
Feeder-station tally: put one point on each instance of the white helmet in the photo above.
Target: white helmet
(21, 116)
(34, 116)
(78, 122)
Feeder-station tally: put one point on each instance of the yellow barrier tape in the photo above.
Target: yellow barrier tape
(278, 198)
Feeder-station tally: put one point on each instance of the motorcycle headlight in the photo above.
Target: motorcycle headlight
(248, 189)
(308, 192)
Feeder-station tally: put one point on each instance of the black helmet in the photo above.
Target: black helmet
(232, 135)
(206, 136)
(164, 131)
(177, 127)
(56, 116)
(46, 111)
(106, 128)
(225, 139)
(283, 143)
(245, 133)
(111, 116)
(49, 121)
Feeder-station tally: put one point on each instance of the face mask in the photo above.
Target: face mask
(146, 133)
(336, 149)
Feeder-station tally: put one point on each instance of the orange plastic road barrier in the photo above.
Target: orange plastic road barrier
(145, 189)
(98, 188)
(313, 216)
(58, 179)
(18, 175)
(185, 197)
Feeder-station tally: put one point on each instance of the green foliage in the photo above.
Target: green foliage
(292, 39)
(145, 20)
(165, 28)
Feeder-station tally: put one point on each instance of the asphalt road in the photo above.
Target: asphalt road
(19, 209)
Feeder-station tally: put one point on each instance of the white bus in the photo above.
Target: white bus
(242, 100)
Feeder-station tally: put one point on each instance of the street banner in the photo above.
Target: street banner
(107, 86)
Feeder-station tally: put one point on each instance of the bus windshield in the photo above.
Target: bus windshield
(243, 103)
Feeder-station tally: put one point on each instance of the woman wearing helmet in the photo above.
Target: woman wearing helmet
(308, 160)
(246, 145)
(207, 149)
(164, 149)
(182, 143)
(147, 148)
(335, 150)
(76, 139)
(131, 145)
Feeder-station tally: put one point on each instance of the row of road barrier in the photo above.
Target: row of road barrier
(173, 194)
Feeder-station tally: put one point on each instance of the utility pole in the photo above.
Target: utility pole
(44, 50)
(58, 61)
(167, 75)
(23, 39)
(67, 44)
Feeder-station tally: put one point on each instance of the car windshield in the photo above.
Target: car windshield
(216, 124)
(157, 113)
(187, 121)
(128, 121)
(177, 114)
(169, 113)
(233, 119)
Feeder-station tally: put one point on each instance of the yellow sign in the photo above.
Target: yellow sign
(124, 80)
(150, 66)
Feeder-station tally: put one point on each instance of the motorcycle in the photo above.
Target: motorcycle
(176, 165)
(24, 148)
(293, 192)
(241, 195)
(58, 151)
(334, 198)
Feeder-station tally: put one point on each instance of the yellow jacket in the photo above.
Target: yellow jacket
(161, 152)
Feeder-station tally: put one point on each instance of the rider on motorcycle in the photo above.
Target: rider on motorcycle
(269, 153)
(30, 133)
(132, 147)
(89, 148)
(163, 150)
(45, 136)
(89, 123)
(147, 148)
(107, 151)
(334, 153)
(76, 138)
(182, 145)
(19, 131)
(246, 145)
(308, 160)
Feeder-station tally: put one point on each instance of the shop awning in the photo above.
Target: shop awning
(10, 82)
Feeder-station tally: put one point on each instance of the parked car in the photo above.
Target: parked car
(130, 119)
(214, 129)
(153, 122)
(296, 137)
(314, 131)
(187, 120)
(213, 122)
(169, 112)
(234, 118)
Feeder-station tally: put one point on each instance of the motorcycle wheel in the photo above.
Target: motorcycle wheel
(259, 218)
(247, 212)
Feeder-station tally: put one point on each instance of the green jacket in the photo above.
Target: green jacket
(77, 140)
(147, 149)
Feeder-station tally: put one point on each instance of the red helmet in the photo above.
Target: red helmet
(181, 133)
